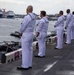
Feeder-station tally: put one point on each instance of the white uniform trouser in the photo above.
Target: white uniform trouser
(41, 44)
(68, 37)
(27, 50)
(72, 32)
(59, 33)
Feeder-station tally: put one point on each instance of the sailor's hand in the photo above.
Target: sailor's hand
(65, 27)
(37, 34)
(20, 34)
(54, 26)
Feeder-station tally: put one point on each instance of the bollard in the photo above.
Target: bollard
(3, 57)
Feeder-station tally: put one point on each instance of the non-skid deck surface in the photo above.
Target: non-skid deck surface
(56, 62)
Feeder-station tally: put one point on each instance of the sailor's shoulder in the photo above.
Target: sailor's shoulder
(61, 17)
(69, 15)
(27, 16)
(73, 16)
(42, 19)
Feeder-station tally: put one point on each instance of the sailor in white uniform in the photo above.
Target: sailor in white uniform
(72, 31)
(68, 26)
(27, 30)
(59, 25)
(41, 32)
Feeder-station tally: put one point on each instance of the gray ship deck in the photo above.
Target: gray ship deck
(56, 62)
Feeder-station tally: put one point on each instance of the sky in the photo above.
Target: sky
(50, 6)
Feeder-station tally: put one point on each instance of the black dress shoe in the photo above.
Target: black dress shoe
(21, 68)
(65, 43)
(56, 48)
(39, 56)
(30, 67)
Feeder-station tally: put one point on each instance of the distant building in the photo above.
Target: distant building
(1, 13)
(53, 17)
(9, 14)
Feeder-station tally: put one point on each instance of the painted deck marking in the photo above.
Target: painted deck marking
(50, 66)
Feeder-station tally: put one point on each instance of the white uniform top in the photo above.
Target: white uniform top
(69, 20)
(60, 22)
(73, 20)
(28, 23)
(42, 25)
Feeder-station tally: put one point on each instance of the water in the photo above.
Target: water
(8, 26)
